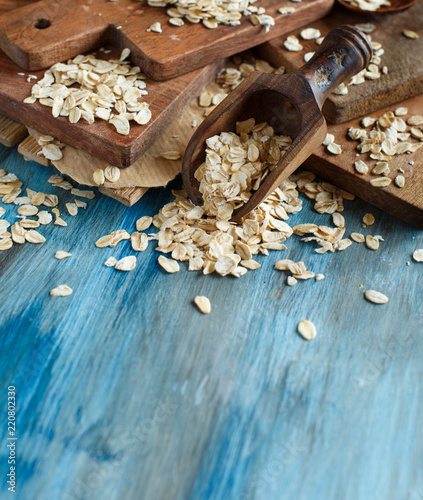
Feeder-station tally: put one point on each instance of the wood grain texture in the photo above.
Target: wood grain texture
(30, 149)
(291, 104)
(405, 203)
(393, 7)
(11, 132)
(402, 57)
(8, 5)
(128, 196)
(166, 100)
(77, 26)
(126, 391)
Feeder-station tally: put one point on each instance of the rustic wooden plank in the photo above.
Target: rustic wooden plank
(405, 203)
(175, 51)
(11, 132)
(166, 100)
(30, 149)
(402, 57)
(128, 196)
(8, 5)
(124, 387)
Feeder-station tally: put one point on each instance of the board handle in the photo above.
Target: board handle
(345, 51)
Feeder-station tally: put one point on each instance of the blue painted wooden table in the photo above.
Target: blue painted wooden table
(125, 391)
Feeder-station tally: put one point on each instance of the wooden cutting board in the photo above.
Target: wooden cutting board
(166, 100)
(37, 35)
(405, 203)
(403, 57)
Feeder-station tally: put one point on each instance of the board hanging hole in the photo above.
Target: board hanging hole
(42, 24)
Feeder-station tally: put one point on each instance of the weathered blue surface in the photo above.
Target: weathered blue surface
(125, 391)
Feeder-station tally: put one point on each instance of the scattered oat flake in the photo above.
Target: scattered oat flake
(205, 99)
(5, 243)
(203, 304)
(334, 148)
(169, 265)
(306, 329)
(62, 255)
(27, 210)
(286, 10)
(328, 139)
(98, 177)
(52, 152)
(60, 222)
(126, 264)
(80, 204)
(139, 241)
(176, 21)
(310, 34)
(110, 262)
(61, 291)
(401, 111)
(399, 181)
(291, 281)
(44, 217)
(415, 120)
(171, 155)
(112, 174)
(375, 297)
(372, 242)
(410, 34)
(381, 167)
(72, 209)
(369, 219)
(29, 224)
(143, 223)
(292, 44)
(250, 264)
(4, 224)
(155, 27)
(418, 255)
(308, 56)
(34, 237)
(124, 54)
(338, 219)
(366, 27)
(361, 167)
(319, 277)
(358, 237)
(380, 182)
(104, 241)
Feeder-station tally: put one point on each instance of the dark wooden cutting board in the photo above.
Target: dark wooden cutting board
(166, 100)
(71, 27)
(405, 203)
(403, 57)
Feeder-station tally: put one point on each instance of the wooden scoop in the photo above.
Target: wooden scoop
(396, 6)
(291, 104)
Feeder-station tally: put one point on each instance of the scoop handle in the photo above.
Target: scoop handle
(344, 52)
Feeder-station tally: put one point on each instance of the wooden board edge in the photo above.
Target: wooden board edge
(128, 196)
(11, 131)
(336, 113)
(378, 197)
(29, 149)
